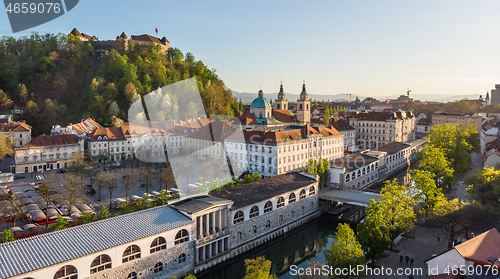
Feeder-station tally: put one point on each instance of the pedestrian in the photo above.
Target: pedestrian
(411, 262)
(407, 259)
(438, 240)
(401, 259)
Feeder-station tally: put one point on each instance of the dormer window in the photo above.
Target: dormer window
(105, 137)
(99, 138)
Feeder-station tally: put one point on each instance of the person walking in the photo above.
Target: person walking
(407, 259)
(438, 240)
(411, 262)
(401, 259)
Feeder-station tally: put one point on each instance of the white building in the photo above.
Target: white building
(273, 153)
(107, 144)
(19, 132)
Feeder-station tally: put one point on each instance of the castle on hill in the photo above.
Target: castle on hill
(103, 46)
(261, 113)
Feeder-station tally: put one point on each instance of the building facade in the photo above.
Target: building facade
(457, 117)
(18, 132)
(107, 144)
(375, 129)
(48, 152)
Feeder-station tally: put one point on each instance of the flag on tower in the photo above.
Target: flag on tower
(156, 31)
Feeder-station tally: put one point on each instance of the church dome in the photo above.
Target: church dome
(260, 102)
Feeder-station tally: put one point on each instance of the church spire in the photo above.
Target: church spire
(282, 92)
(304, 92)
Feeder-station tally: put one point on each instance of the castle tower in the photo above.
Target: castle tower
(487, 98)
(304, 106)
(281, 102)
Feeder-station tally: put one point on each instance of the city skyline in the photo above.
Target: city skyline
(364, 48)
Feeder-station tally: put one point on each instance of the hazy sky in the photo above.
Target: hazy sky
(360, 47)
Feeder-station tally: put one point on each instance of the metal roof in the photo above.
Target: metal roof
(196, 204)
(26, 255)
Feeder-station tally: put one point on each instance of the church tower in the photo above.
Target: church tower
(281, 102)
(304, 106)
(487, 98)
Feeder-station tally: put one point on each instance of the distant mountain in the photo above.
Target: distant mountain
(248, 97)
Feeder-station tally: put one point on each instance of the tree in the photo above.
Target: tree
(129, 181)
(166, 176)
(148, 178)
(427, 194)
(61, 223)
(110, 186)
(396, 207)
(247, 178)
(433, 159)
(7, 236)
(345, 251)
(46, 191)
(22, 93)
(74, 190)
(12, 211)
(102, 180)
(6, 146)
(258, 268)
(484, 186)
(311, 168)
(256, 176)
(326, 117)
(373, 236)
(5, 102)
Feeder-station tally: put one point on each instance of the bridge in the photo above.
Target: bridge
(352, 197)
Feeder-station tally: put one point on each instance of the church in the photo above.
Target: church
(262, 114)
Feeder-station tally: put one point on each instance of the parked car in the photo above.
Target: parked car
(62, 171)
(17, 176)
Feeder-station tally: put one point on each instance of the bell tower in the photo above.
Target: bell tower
(281, 102)
(304, 106)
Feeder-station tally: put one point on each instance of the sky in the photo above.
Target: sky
(369, 48)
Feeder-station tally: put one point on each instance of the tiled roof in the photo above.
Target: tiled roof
(255, 192)
(113, 133)
(353, 162)
(52, 140)
(215, 131)
(276, 137)
(93, 122)
(340, 124)
(393, 147)
(147, 38)
(22, 256)
(196, 204)
(15, 127)
(382, 116)
(481, 247)
(247, 118)
(283, 115)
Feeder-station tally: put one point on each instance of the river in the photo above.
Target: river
(301, 246)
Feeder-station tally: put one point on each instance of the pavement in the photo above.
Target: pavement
(423, 247)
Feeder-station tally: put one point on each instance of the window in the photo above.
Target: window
(238, 236)
(292, 214)
(158, 267)
(291, 198)
(131, 253)
(66, 272)
(254, 212)
(302, 194)
(268, 224)
(100, 263)
(181, 236)
(254, 229)
(132, 275)
(312, 191)
(238, 217)
(268, 206)
(281, 202)
(302, 209)
(158, 244)
(281, 219)
(182, 258)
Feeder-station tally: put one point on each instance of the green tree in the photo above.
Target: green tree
(484, 186)
(345, 251)
(46, 191)
(6, 146)
(248, 178)
(373, 236)
(5, 101)
(427, 194)
(60, 224)
(396, 207)
(326, 117)
(433, 160)
(22, 93)
(311, 168)
(258, 268)
(256, 176)
(7, 236)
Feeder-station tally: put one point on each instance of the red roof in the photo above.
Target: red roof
(283, 115)
(247, 118)
(52, 140)
(15, 127)
(112, 133)
(275, 137)
(215, 131)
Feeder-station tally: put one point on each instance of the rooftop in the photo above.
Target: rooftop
(111, 133)
(22, 256)
(353, 162)
(254, 192)
(393, 148)
(52, 140)
(481, 247)
(196, 204)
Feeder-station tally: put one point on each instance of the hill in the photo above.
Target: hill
(47, 76)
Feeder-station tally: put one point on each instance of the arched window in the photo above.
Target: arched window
(292, 214)
(281, 202)
(132, 275)
(300, 107)
(254, 229)
(353, 175)
(158, 244)
(281, 219)
(347, 178)
(363, 171)
(291, 198)
(268, 207)
(302, 209)
(312, 191)
(238, 236)
(182, 258)
(181, 236)
(254, 212)
(158, 267)
(131, 253)
(359, 173)
(302, 194)
(238, 217)
(66, 272)
(100, 263)
(268, 224)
